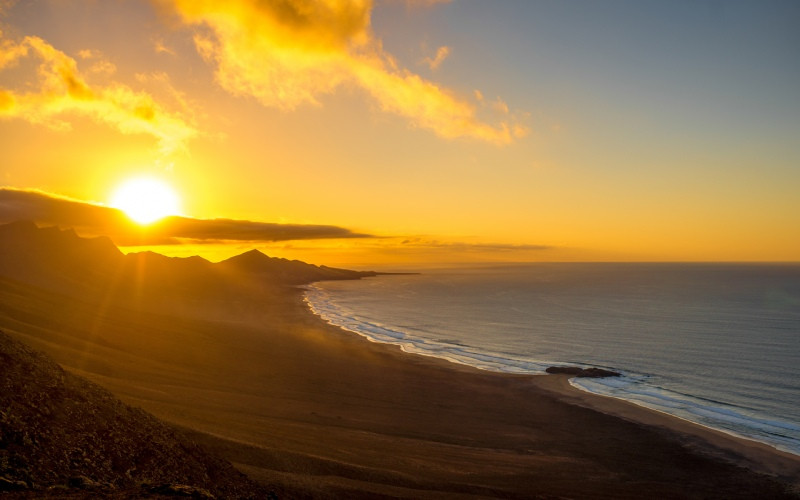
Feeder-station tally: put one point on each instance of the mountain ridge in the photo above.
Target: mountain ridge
(38, 254)
(255, 262)
(63, 435)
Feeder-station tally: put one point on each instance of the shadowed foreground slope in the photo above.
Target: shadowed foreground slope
(60, 434)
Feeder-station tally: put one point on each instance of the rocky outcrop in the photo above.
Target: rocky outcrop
(582, 372)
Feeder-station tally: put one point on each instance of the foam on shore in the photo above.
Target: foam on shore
(712, 414)
(320, 304)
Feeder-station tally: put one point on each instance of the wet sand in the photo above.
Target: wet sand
(313, 410)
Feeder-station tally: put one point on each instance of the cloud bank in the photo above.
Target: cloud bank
(288, 53)
(48, 209)
(58, 91)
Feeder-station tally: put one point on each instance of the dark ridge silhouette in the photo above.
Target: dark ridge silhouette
(60, 259)
(54, 257)
(61, 435)
(294, 272)
(94, 270)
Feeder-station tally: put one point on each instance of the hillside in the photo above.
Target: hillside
(229, 354)
(60, 434)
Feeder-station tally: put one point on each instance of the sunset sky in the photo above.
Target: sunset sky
(412, 131)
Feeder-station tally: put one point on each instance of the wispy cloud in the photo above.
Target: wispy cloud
(161, 48)
(414, 3)
(418, 250)
(48, 209)
(462, 246)
(58, 92)
(288, 53)
(435, 61)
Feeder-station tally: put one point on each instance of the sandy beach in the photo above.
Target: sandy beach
(314, 410)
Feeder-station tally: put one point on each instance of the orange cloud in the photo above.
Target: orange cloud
(436, 61)
(288, 53)
(160, 48)
(60, 91)
(416, 3)
(100, 65)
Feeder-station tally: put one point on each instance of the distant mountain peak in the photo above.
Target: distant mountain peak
(250, 258)
(255, 251)
(255, 255)
(40, 255)
(279, 270)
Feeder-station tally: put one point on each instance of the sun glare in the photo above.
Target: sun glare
(146, 200)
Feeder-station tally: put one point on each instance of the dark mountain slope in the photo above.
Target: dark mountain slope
(55, 258)
(291, 272)
(60, 434)
(61, 260)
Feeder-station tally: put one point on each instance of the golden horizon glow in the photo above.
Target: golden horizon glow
(450, 131)
(146, 199)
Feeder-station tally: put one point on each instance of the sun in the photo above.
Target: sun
(146, 199)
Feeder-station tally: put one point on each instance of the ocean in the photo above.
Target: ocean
(716, 344)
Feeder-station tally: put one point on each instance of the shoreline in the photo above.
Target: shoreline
(312, 410)
(742, 451)
(754, 454)
(501, 363)
(732, 434)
